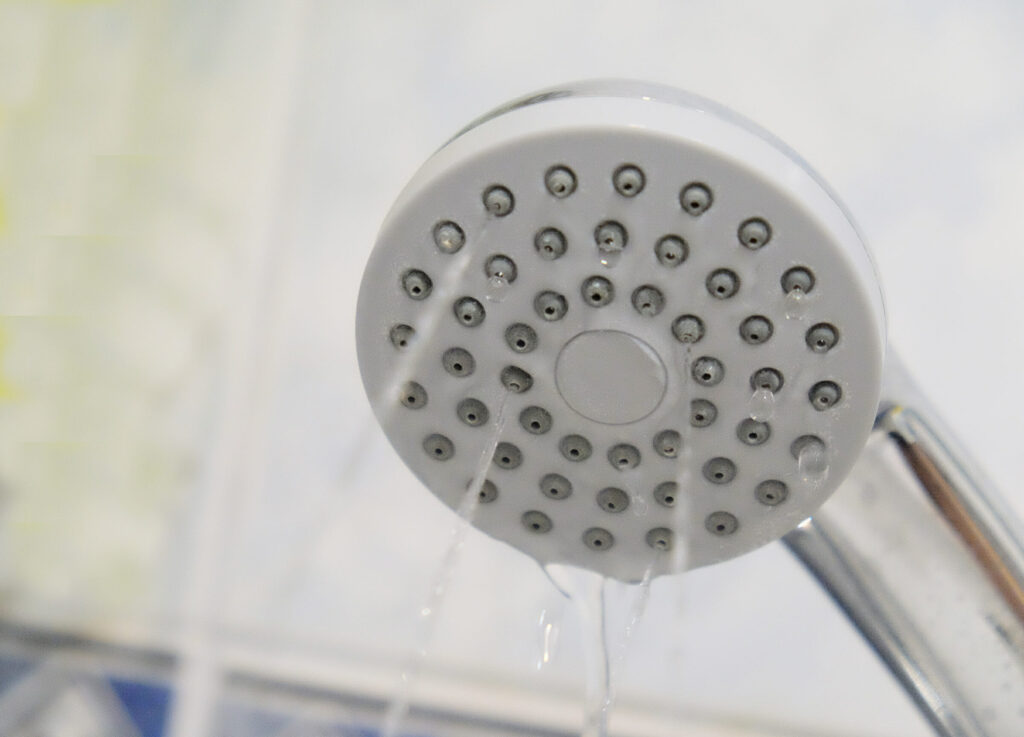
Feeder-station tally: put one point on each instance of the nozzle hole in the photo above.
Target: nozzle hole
(560, 181)
(722, 283)
(767, 378)
(498, 201)
(702, 413)
(537, 522)
(469, 311)
(719, 470)
(550, 243)
(822, 337)
(575, 447)
(754, 233)
(458, 362)
(612, 500)
(628, 180)
(597, 291)
(438, 447)
(508, 456)
(449, 237)
(671, 250)
(473, 412)
(401, 336)
(555, 486)
(516, 379)
(665, 493)
(535, 420)
(695, 198)
(666, 443)
(417, 284)
(413, 395)
(550, 306)
(488, 492)
(721, 523)
(771, 493)
(623, 456)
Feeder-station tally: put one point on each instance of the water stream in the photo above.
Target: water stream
(428, 612)
(550, 628)
(684, 481)
(609, 613)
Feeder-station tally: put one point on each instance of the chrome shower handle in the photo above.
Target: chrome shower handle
(928, 563)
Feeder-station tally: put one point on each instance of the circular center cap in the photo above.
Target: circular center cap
(609, 376)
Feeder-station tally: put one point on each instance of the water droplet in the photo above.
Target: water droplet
(812, 461)
(497, 288)
(762, 404)
(611, 239)
(796, 304)
(639, 506)
(611, 253)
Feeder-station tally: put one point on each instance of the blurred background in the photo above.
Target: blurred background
(202, 529)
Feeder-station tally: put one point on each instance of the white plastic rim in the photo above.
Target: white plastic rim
(611, 369)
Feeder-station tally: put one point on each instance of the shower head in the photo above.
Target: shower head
(668, 320)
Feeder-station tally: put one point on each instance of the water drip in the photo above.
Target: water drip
(812, 461)
(611, 253)
(796, 304)
(497, 288)
(762, 404)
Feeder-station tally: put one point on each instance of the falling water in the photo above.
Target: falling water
(604, 651)
(385, 403)
(762, 404)
(684, 458)
(428, 612)
(681, 513)
(585, 590)
(641, 594)
(599, 674)
(550, 628)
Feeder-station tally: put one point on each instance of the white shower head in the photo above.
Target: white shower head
(670, 309)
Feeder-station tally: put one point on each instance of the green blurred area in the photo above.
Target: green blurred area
(132, 178)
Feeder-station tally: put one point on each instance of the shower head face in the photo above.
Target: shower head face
(670, 323)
